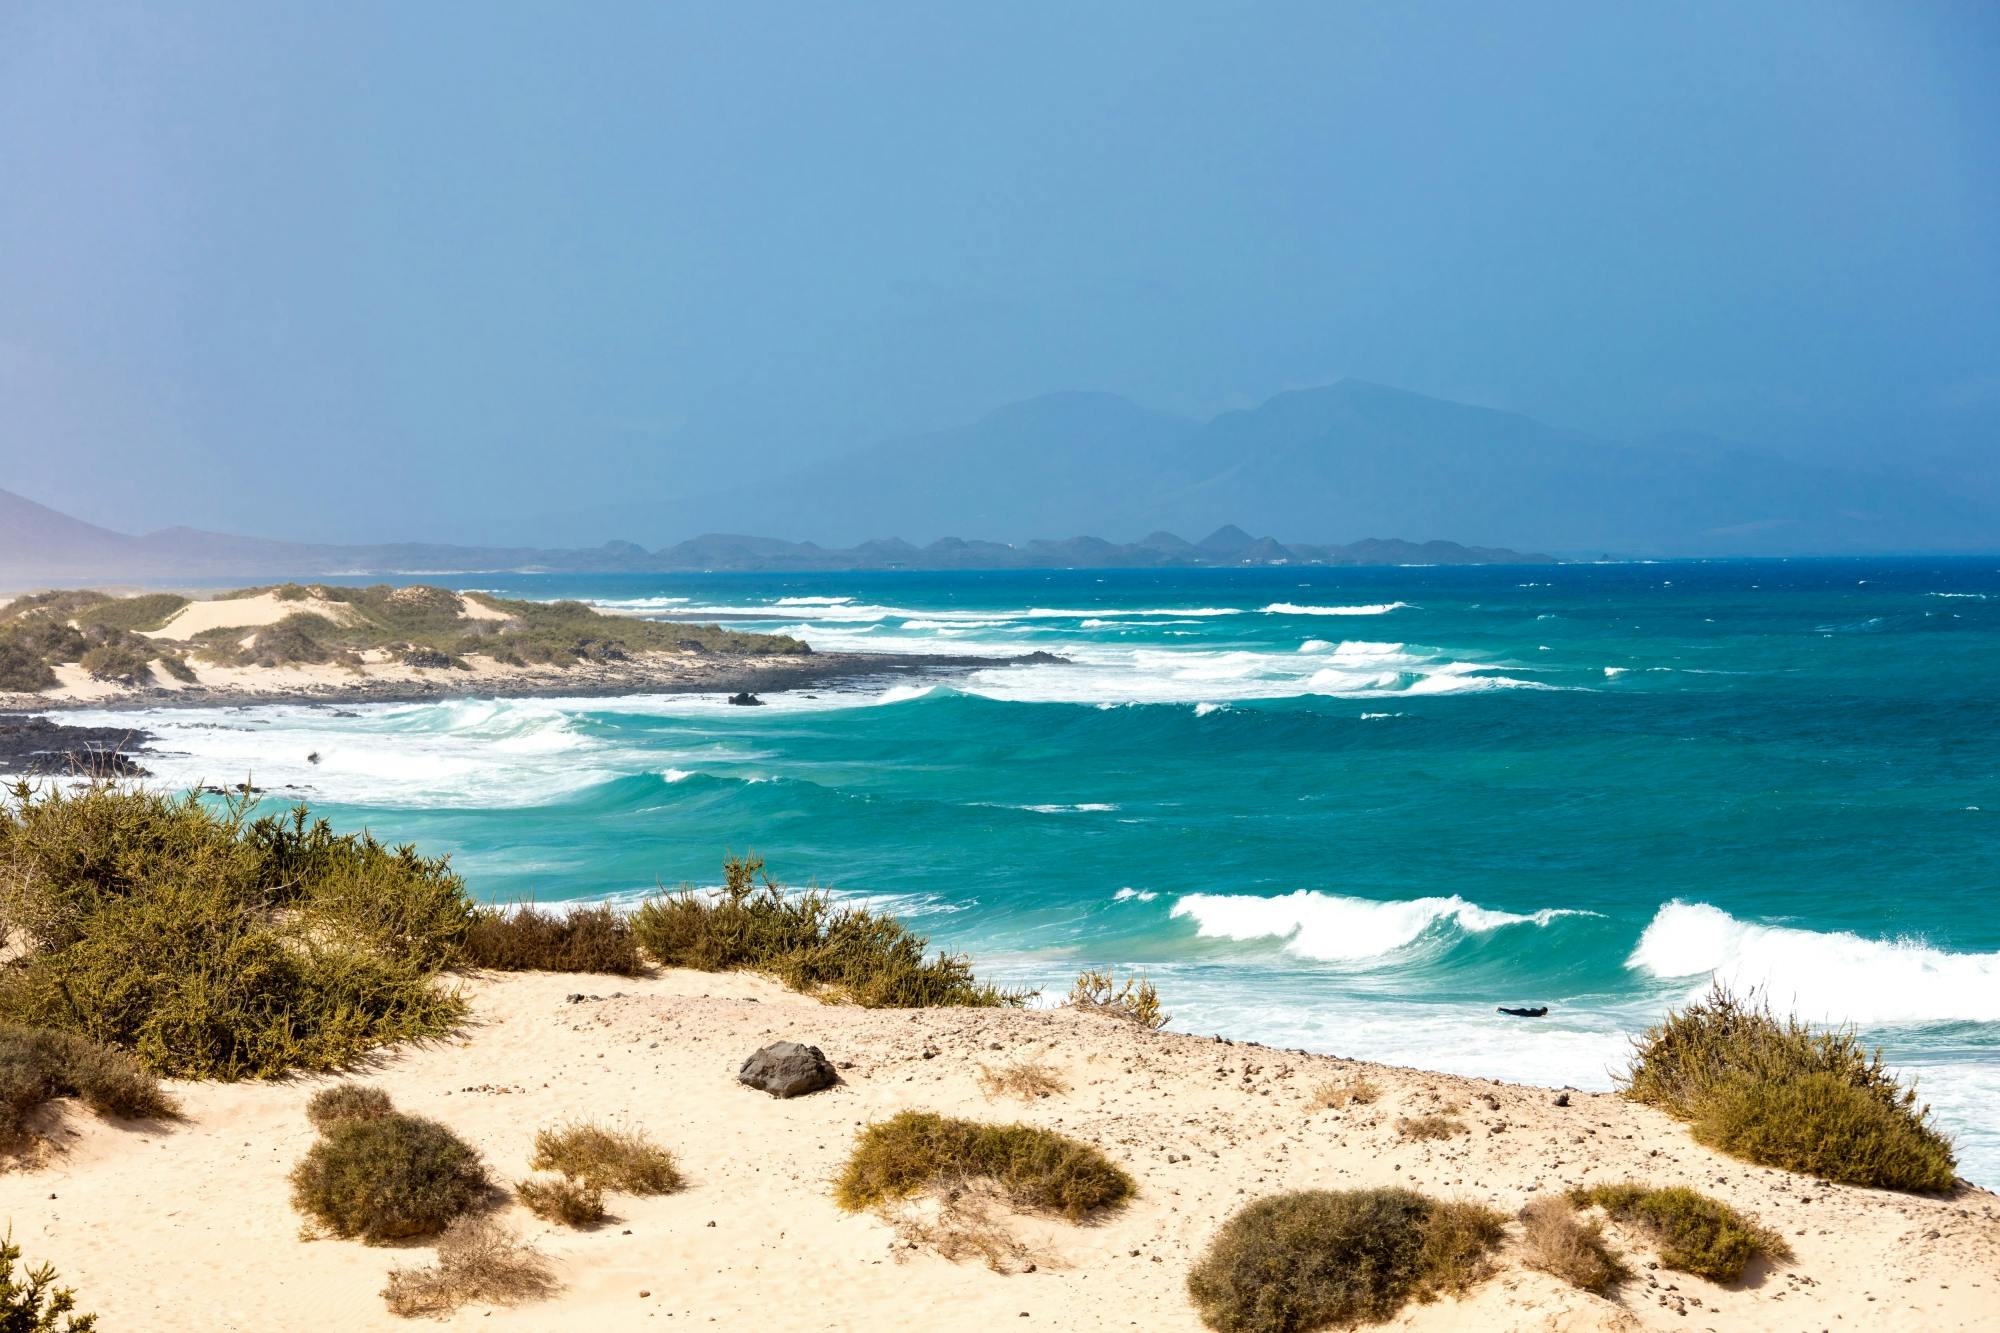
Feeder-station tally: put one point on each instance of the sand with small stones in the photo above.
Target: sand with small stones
(188, 1226)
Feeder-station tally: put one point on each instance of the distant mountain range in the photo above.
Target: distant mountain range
(39, 546)
(1345, 458)
(1348, 457)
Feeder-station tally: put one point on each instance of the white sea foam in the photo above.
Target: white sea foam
(1328, 927)
(1086, 807)
(1204, 708)
(675, 774)
(1294, 609)
(1129, 894)
(1613, 673)
(1831, 976)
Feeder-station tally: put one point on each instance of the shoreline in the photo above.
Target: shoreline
(672, 674)
(188, 1225)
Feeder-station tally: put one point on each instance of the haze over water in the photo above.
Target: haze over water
(1351, 810)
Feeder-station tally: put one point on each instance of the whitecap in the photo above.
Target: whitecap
(1294, 609)
(1829, 976)
(1328, 927)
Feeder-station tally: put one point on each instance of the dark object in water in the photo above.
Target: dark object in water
(746, 700)
(1536, 1012)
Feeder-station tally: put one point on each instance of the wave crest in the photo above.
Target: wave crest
(1835, 976)
(1329, 927)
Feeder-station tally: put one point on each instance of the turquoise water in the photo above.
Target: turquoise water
(1350, 810)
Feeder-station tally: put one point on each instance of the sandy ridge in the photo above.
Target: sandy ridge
(189, 1227)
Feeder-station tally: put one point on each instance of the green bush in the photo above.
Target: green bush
(37, 1065)
(607, 1159)
(1780, 1094)
(212, 945)
(120, 663)
(23, 670)
(347, 1101)
(807, 942)
(30, 1300)
(389, 1178)
(1326, 1258)
(583, 939)
(1696, 1234)
(149, 611)
(1036, 1168)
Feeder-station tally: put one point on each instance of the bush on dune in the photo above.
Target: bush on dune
(806, 941)
(583, 939)
(37, 1065)
(607, 1159)
(1331, 1258)
(389, 1177)
(477, 1260)
(574, 1203)
(30, 1300)
(1777, 1093)
(214, 946)
(1035, 1168)
(1135, 1000)
(1560, 1243)
(1696, 1234)
(347, 1101)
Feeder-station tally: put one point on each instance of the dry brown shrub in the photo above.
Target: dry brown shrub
(575, 1203)
(1571, 1249)
(1430, 1126)
(1027, 1078)
(610, 1159)
(477, 1260)
(1336, 1093)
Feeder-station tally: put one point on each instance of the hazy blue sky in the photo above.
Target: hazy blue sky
(500, 260)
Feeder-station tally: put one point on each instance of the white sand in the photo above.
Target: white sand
(189, 1226)
(245, 613)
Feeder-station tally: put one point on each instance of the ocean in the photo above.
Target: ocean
(1349, 810)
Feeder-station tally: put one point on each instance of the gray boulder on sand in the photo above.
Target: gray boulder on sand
(788, 1069)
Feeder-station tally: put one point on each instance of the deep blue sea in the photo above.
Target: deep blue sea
(1350, 810)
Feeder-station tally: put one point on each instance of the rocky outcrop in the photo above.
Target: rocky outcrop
(788, 1069)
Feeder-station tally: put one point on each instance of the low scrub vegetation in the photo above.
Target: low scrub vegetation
(526, 938)
(1035, 1168)
(388, 1178)
(574, 1203)
(214, 945)
(1333, 1258)
(607, 1158)
(1776, 1092)
(1431, 1126)
(477, 1261)
(37, 1065)
(347, 1101)
(148, 611)
(1336, 1093)
(36, 636)
(30, 1300)
(1026, 1078)
(1696, 1234)
(806, 941)
(1571, 1248)
(1134, 999)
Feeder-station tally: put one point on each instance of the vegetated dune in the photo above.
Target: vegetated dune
(189, 1225)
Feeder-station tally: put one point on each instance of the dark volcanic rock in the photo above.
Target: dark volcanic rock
(788, 1069)
(37, 745)
(746, 700)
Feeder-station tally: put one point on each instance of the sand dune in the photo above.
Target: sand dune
(189, 1226)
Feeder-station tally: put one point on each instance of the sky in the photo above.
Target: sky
(376, 271)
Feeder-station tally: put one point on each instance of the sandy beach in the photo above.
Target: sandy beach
(188, 1226)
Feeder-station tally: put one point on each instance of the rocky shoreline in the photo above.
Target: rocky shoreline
(32, 741)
